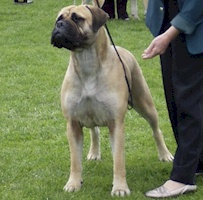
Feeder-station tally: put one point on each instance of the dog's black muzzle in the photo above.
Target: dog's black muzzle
(66, 34)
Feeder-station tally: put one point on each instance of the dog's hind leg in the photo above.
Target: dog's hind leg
(146, 109)
(75, 139)
(94, 152)
(143, 104)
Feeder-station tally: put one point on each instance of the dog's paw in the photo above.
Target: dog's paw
(167, 156)
(93, 155)
(72, 186)
(120, 192)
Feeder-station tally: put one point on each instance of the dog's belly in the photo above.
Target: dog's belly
(91, 111)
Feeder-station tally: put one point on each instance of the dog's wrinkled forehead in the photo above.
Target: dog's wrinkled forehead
(78, 12)
(84, 16)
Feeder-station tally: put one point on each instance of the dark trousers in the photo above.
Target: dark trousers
(109, 7)
(183, 85)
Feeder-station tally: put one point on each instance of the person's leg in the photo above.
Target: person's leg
(109, 7)
(183, 83)
(121, 9)
(188, 83)
(176, 85)
(167, 68)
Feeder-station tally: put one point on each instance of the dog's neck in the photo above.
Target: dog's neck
(102, 41)
(102, 44)
(87, 60)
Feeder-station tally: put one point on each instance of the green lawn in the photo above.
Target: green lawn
(34, 153)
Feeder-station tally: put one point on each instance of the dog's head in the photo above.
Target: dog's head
(76, 26)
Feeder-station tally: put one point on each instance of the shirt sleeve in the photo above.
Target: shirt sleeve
(190, 15)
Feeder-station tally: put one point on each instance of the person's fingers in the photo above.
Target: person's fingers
(150, 48)
(149, 53)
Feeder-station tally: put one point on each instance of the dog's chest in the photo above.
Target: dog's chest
(90, 102)
(91, 107)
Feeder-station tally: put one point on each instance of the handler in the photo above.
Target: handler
(178, 29)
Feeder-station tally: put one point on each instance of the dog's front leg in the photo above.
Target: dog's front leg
(120, 187)
(75, 138)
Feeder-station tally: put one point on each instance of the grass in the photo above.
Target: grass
(34, 154)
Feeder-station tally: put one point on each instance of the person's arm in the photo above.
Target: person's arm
(160, 43)
(186, 21)
(189, 16)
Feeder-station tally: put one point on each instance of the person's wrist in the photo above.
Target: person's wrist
(171, 33)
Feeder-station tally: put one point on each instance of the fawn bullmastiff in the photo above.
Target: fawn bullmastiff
(95, 93)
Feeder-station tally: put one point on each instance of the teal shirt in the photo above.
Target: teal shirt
(189, 21)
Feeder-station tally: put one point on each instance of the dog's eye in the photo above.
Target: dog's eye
(76, 18)
(60, 18)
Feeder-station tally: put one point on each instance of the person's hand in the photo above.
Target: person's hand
(157, 47)
(160, 43)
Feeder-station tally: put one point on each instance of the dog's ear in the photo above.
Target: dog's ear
(99, 17)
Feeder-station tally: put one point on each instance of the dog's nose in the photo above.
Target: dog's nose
(60, 24)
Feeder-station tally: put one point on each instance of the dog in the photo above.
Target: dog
(94, 92)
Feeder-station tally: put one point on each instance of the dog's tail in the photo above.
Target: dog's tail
(98, 3)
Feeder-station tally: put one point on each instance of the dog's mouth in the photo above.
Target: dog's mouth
(67, 35)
